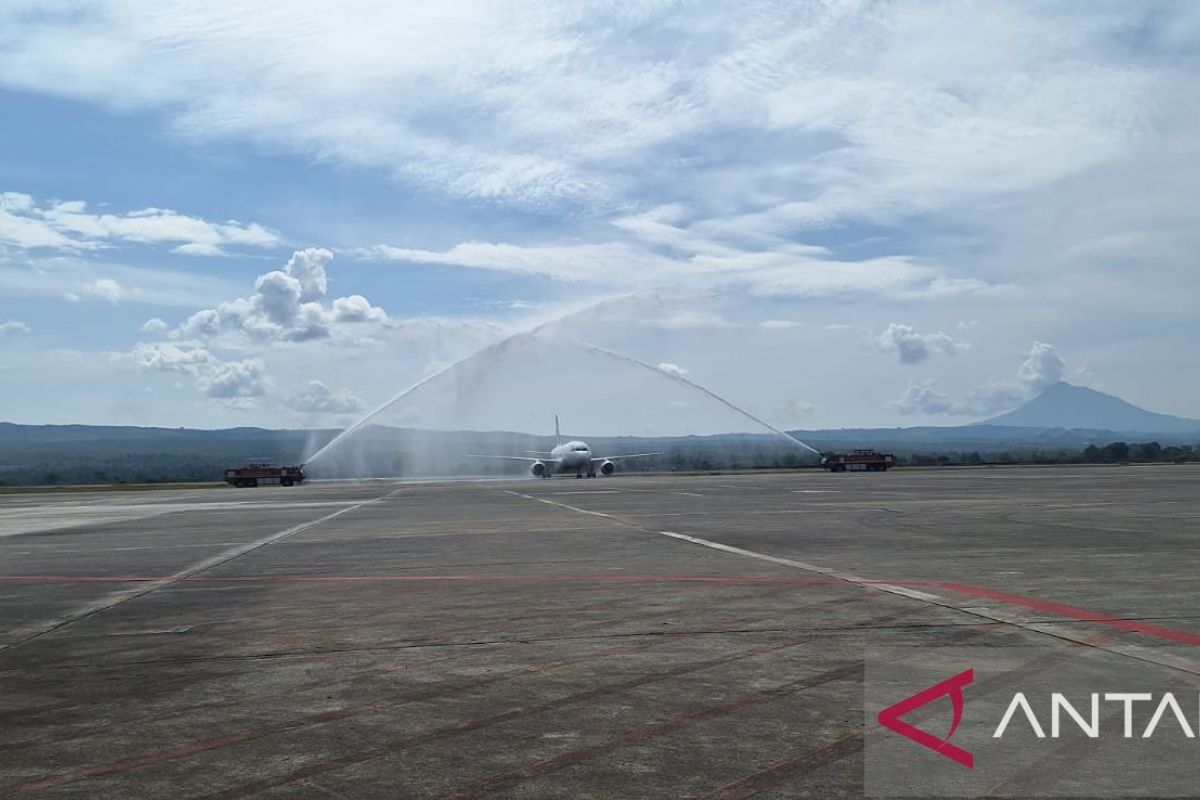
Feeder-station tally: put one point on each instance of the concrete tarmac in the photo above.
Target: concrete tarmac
(634, 636)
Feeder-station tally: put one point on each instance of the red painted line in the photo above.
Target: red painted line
(1080, 614)
(78, 578)
(1045, 606)
(475, 578)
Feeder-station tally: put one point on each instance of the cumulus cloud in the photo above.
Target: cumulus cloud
(105, 289)
(1041, 368)
(218, 379)
(171, 357)
(232, 379)
(316, 397)
(672, 369)
(25, 223)
(287, 305)
(356, 308)
(913, 347)
(155, 325)
(12, 327)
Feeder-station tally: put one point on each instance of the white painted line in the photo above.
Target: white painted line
(21, 635)
(815, 491)
(674, 514)
(787, 562)
(560, 505)
(689, 494)
(1060, 630)
(913, 593)
(1164, 657)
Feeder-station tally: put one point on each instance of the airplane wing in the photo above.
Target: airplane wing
(627, 455)
(526, 459)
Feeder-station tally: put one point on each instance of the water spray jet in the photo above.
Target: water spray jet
(697, 387)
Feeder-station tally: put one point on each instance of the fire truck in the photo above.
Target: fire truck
(858, 461)
(264, 475)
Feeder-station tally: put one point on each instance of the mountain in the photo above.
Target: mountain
(1064, 405)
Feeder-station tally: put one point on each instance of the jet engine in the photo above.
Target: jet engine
(538, 469)
(607, 468)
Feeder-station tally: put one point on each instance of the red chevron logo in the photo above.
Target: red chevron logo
(890, 717)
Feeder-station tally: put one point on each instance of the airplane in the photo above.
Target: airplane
(567, 456)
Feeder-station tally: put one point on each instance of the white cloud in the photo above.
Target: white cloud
(777, 324)
(1040, 369)
(69, 226)
(196, 249)
(155, 325)
(12, 327)
(232, 379)
(104, 288)
(217, 379)
(672, 369)
(169, 357)
(316, 397)
(780, 270)
(286, 305)
(74, 278)
(913, 347)
(356, 308)
(667, 146)
(885, 109)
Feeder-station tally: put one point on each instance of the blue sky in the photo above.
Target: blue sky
(835, 214)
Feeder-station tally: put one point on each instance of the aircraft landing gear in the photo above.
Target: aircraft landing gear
(578, 474)
(592, 474)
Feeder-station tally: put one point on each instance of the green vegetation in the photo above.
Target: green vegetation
(72, 455)
(1111, 453)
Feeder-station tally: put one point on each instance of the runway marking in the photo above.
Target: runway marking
(482, 577)
(688, 494)
(815, 491)
(32, 520)
(74, 547)
(905, 589)
(22, 635)
(675, 514)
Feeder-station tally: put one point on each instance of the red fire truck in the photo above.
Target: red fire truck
(858, 461)
(263, 475)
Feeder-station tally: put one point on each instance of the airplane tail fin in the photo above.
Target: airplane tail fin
(557, 435)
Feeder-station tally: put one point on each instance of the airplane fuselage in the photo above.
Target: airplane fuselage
(574, 456)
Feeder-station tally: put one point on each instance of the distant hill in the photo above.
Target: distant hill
(96, 454)
(1064, 405)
